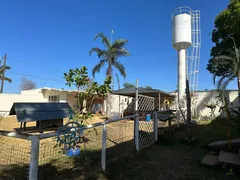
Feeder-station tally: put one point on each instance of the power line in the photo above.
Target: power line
(11, 72)
(36, 65)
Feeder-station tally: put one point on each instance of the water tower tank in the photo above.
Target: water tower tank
(181, 28)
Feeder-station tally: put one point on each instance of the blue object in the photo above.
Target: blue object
(73, 152)
(70, 114)
(148, 117)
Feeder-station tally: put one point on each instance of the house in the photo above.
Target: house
(38, 95)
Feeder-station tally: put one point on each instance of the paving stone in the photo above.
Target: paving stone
(224, 144)
(210, 160)
(229, 158)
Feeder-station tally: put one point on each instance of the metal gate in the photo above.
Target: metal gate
(146, 126)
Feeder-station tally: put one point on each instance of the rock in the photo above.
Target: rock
(224, 144)
(194, 122)
(229, 158)
(210, 160)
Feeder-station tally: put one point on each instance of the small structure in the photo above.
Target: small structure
(158, 95)
(46, 115)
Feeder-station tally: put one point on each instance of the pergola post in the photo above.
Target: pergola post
(159, 101)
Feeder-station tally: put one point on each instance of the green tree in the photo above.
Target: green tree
(128, 85)
(233, 62)
(227, 26)
(79, 78)
(222, 84)
(148, 87)
(110, 55)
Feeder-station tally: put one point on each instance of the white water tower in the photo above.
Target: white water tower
(181, 40)
(186, 38)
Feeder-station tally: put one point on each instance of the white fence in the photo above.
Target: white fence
(110, 137)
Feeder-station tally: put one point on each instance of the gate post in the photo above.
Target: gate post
(156, 126)
(33, 172)
(136, 130)
(104, 138)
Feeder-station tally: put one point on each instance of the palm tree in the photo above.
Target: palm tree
(233, 62)
(2, 69)
(109, 55)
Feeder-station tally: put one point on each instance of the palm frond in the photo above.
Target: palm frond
(104, 38)
(6, 68)
(222, 60)
(97, 50)
(119, 43)
(124, 52)
(120, 68)
(98, 67)
(220, 81)
(6, 79)
(109, 70)
(223, 82)
(118, 81)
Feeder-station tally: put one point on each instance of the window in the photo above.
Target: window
(53, 98)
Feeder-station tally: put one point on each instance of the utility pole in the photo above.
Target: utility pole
(3, 72)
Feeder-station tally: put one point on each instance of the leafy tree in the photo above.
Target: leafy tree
(222, 97)
(148, 87)
(128, 85)
(27, 84)
(110, 55)
(227, 26)
(233, 62)
(79, 78)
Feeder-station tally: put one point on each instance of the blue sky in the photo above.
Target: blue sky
(46, 38)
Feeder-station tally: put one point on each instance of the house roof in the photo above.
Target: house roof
(27, 112)
(60, 90)
(144, 91)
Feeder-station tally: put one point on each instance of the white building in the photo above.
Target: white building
(36, 95)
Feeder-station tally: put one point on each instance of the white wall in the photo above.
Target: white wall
(210, 97)
(7, 100)
(36, 95)
(71, 100)
(114, 104)
(205, 98)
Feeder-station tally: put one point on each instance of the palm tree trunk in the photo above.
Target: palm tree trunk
(228, 123)
(238, 80)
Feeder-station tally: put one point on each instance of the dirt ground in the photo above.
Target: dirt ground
(10, 123)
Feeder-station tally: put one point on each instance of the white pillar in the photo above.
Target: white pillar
(104, 138)
(33, 171)
(181, 82)
(136, 132)
(181, 73)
